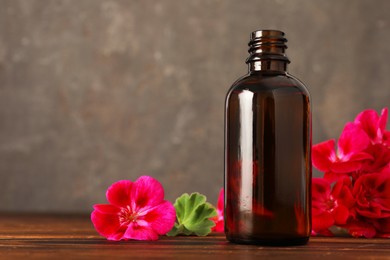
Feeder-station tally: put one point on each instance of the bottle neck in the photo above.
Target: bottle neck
(267, 52)
(268, 65)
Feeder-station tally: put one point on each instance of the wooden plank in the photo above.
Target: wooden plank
(44, 236)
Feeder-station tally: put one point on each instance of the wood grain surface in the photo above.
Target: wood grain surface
(48, 236)
(96, 91)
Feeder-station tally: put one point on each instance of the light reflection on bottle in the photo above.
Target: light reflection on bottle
(246, 149)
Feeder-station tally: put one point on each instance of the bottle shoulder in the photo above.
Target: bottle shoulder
(269, 82)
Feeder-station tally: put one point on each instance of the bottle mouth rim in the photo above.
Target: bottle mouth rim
(268, 34)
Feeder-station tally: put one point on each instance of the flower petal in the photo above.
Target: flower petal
(386, 138)
(118, 193)
(106, 208)
(146, 192)
(346, 167)
(333, 176)
(322, 221)
(322, 153)
(140, 230)
(320, 189)
(352, 140)
(341, 214)
(219, 225)
(383, 120)
(161, 218)
(380, 158)
(373, 125)
(345, 197)
(219, 219)
(220, 204)
(368, 121)
(106, 225)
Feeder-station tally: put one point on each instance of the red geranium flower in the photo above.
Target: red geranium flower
(372, 193)
(137, 210)
(330, 206)
(350, 151)
(218, 220)
(362, 162)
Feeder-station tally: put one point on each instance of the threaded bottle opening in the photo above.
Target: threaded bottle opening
(267, 45)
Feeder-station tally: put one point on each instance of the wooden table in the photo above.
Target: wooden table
(44, 236)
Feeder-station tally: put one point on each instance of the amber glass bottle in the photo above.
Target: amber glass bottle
(268, 150)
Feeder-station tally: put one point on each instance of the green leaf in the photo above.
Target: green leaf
(193, 215)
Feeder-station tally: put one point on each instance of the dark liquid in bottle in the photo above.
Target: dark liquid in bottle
(267, 160)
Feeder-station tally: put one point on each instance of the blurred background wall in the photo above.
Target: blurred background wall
(95, 91)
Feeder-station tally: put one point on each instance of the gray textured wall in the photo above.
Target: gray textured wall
(96, 91)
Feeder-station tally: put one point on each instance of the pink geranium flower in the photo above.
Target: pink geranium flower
(219, 219)
(330, 205)
(137, 210)
(350, 153)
